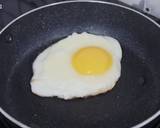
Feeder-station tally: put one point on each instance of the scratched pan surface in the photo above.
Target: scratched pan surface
(136, 95)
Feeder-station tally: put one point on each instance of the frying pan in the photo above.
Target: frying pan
(135, 100)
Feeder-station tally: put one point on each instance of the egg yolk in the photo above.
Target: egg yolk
(92, 61)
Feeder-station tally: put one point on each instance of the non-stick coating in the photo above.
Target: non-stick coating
(135, 96)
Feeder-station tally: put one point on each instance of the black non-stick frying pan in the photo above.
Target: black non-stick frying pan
(134, 101)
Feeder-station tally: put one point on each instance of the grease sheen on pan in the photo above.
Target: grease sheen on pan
(80, 65)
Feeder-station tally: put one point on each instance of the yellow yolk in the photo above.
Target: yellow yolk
(92, 61)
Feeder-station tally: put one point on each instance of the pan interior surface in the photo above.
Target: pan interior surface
(133, 99)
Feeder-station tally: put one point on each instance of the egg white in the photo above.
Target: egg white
(54, 75)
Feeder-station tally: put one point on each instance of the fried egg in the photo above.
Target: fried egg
(77, 66)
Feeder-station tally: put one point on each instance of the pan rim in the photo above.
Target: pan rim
(20, 124)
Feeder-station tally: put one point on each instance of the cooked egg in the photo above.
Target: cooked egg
(80, 65)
